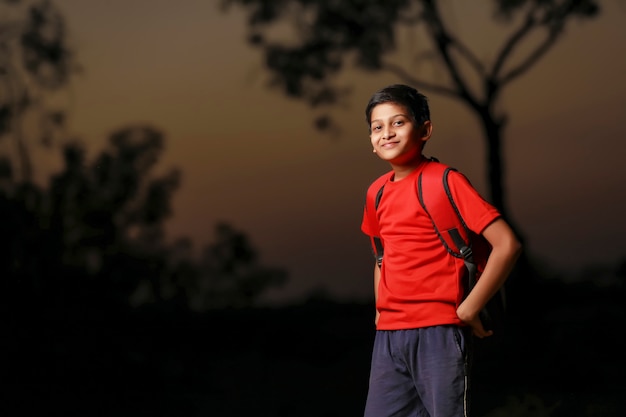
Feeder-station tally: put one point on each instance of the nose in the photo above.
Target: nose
(387, 132)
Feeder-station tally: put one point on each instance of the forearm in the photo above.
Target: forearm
(496, 272)
(505, 251)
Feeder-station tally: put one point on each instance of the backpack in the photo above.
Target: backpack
(436, 199)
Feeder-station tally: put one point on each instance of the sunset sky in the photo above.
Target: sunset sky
(250, 156)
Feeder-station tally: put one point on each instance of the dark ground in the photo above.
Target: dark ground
(300, 361)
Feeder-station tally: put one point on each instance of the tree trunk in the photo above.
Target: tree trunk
(495, 166)
(524, 277)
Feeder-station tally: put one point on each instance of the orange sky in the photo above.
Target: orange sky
(250, 156)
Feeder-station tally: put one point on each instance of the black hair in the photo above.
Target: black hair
(414, 101)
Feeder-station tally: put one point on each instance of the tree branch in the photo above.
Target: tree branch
(532, 58)
(420, 84)
(514, 40)
(443, 41)
(553, 20)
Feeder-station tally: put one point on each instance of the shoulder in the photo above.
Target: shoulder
(437, 170)
(433, 169)
(455, 183)
(458, 180)
(379, 182)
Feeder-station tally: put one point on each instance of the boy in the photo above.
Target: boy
(420, 356)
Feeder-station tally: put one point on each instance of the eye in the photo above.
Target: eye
(398, 123)
(376, 127)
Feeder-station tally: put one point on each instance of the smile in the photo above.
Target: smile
(388, 145)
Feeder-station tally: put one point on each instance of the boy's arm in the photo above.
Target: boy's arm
(505, 251)
(376, 282)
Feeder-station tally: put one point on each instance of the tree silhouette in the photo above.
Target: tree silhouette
(89, 279)
(98, 224)
(328, 37)
(93, 239)
(109, 213)
(94, 232)
(35, 63)
(231, 275)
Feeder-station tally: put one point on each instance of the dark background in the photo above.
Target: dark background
(178, 240)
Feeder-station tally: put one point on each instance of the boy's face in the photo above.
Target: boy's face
(394, 135)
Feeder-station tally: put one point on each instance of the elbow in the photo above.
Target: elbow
(515, 248)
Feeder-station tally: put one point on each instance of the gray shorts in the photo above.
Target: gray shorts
(419, 373)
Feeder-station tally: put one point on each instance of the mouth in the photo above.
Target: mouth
(388, 145)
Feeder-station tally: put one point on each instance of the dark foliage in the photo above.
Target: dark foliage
(89, 281)
(35, 61)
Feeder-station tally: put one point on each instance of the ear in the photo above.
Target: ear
(426, 130)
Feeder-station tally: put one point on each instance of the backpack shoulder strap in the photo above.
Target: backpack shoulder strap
(436, 199)
(374, 194)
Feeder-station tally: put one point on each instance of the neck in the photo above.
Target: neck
(402, 171)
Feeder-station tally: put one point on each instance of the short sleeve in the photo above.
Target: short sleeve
(476, 211)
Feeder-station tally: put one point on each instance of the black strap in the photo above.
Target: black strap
(457, 245)
(465, 250)
(378, 244)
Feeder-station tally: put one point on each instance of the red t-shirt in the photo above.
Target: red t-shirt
(421, 283)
